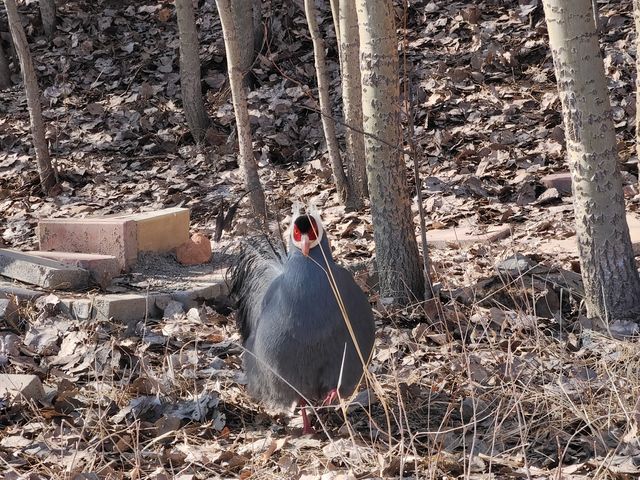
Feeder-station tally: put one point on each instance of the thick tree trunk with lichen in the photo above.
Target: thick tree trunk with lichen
(48, 16)
(32, 91)
(349, 42)
(190, 81)
(247, 161)
(611, 281)
(5, 73)
(328, 123)
(397, 255)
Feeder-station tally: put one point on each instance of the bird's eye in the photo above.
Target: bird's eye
(297, 235)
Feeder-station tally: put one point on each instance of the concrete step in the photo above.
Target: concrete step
(43, 272)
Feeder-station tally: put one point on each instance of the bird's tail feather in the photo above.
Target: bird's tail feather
(260, 260)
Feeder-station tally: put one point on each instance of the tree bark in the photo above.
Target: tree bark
(349, 41)
(32, 91)
(246, 159)
(5, 73)
(190, 82)
(397, 255)
(611, 281)
(328, 123)
(48, 16)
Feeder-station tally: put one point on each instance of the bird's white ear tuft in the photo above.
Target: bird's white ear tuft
(296, 208)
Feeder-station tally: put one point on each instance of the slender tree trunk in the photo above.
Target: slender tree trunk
(247, 160)
(32, 91)
(190, 82)
(243, 15)
(328, 123)
(396, 248)
(611, 281)
(335, 14)
(349, 41)
(5, 73)
(48, 16)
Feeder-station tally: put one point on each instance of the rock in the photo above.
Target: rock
(195, 251)
(173, 309)
(517, 264)
(9, 309)
(19, 388)
(549, 195)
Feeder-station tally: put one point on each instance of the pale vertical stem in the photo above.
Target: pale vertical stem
(45, 168)
(328, 123)
(247, 161)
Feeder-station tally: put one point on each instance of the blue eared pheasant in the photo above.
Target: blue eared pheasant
(298, 315)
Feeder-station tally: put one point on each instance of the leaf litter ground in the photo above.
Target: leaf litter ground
(482, 384)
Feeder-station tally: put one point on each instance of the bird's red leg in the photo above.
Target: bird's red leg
(331, 396)
(306, 425)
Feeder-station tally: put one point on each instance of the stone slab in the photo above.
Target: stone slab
(102, 268)
(465, 236)
(123, 307)
(42, 272)
(161, 230)
(9, 289)
(570, 245)
(105, 236)
(20, 388)
(559, 181)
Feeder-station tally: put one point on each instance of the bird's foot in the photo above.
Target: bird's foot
(307, 429)
(331, 396)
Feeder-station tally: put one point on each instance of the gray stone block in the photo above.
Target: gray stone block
(42, 272)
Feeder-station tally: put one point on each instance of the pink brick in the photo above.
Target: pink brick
(102, 267)
(106, 236)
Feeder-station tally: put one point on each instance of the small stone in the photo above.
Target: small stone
(194, 315)
(516, 264)
(9, 309)
(173, 309)
(549, 195)
(195, 251)
(20, 388)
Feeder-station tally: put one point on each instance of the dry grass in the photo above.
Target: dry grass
(471, 393)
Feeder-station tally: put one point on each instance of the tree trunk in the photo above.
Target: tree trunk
(328, 123)
(246, 159)
(244, 18)
(190, 83)
(349, 41)
(32, 91)
(48, 16)
(611, 281)
(5, 73)
(397, 255)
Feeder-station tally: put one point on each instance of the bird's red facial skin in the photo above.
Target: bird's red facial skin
(312, 233)
(297, 235)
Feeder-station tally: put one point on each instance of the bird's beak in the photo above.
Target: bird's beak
(305, 245)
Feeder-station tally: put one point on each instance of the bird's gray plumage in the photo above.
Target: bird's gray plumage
(292, 326)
